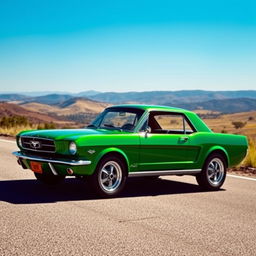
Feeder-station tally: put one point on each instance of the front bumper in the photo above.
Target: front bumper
(52, 163)
(49, 160)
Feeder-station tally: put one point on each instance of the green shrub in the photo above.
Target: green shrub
(238, 124)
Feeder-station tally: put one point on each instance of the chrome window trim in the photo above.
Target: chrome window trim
(145, 117)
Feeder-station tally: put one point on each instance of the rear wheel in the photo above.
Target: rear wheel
(109, 177)
(214, 171)
(49, 179)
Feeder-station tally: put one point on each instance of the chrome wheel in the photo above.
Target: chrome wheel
(110, 176)
(215, 171)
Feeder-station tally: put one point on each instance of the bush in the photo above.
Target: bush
(238, 124)
(13, 121)
(44, 126)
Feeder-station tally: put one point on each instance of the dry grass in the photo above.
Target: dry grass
(250, 160)
(13, 131)
(224, 124)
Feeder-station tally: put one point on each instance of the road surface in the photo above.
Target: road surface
(171, 216)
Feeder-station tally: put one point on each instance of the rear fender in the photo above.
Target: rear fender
(218, 148)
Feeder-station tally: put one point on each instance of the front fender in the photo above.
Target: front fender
(112, 150)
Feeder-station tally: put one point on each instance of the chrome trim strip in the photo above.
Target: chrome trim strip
(48, 160)
(52, 169)
(165, 172)
(33, 137)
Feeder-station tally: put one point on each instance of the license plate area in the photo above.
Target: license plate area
(36, 167)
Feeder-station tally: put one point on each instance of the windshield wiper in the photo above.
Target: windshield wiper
(92, 126)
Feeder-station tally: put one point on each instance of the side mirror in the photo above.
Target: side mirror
(147, 130)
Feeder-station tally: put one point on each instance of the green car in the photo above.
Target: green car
(132, 141)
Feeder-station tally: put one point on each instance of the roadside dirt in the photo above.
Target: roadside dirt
(243, 171)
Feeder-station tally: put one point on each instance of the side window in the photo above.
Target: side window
(162, 122)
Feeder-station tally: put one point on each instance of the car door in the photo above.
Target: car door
(166, 144)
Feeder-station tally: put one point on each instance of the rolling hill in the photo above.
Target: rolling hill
(69, 107)
(75, 109)
(8, 109)
(68, 104)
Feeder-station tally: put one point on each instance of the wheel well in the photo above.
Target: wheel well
(221, 152)
(118, 155)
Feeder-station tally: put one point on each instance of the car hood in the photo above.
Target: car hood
(71, 134)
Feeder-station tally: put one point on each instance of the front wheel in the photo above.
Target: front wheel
(109, 177)
(49, 179)
(213, 173)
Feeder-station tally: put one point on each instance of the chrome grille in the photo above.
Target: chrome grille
(38, 144)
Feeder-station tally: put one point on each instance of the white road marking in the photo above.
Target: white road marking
(241, 177)
(10, 141)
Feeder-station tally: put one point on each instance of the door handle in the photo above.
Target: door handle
(183, 139)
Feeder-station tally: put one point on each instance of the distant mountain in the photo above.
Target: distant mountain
(13, 97)
(50, 99)
(223, 106)
(87, 93)
(173, 97)
(43, 93)
(150, 97)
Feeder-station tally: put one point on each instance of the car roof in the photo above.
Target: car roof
(150, 107)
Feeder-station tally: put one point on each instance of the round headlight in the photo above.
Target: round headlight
(72, 148)
(19, 142)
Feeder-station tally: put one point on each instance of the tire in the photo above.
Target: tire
(49, 179)
(213, 173)
(109, 177)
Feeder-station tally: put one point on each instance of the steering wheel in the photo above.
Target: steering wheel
(127, 126)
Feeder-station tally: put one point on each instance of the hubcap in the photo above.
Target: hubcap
(110, 176)
(215, 171)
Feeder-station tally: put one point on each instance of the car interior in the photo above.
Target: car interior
(166, 123)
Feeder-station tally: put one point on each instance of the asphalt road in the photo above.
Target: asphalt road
(171, 216)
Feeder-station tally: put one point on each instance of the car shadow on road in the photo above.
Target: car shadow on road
(33, 192)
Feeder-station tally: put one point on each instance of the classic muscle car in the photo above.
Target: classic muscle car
(132, 141)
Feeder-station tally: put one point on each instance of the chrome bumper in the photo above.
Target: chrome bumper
(49, 160)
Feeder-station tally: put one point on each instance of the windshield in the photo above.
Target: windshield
(118, 118)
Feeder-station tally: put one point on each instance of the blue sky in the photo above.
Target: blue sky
(127, 45)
